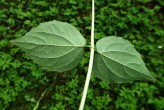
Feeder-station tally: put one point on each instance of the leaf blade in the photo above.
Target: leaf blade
(54, 45)
(117, 61)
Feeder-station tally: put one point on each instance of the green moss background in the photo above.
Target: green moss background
(22, 82)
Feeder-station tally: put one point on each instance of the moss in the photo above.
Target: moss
(22, 82)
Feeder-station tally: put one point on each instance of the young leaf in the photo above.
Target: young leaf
(117, 61)
(56, 46)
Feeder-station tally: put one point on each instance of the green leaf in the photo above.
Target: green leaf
(56, 46)
(117, 61)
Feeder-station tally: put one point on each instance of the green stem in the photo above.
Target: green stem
(38, 102)
(90, 63)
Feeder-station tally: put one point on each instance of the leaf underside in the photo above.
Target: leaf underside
(117, 61)
(54, 45)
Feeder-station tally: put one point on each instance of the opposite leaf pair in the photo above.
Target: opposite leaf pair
(58, 46)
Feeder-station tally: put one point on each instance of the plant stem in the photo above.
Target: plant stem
(37, 104)
(90, 62)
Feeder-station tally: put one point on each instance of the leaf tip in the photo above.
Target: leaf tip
(13, 41)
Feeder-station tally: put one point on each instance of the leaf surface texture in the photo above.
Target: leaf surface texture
(117, 61)
(54, 45)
